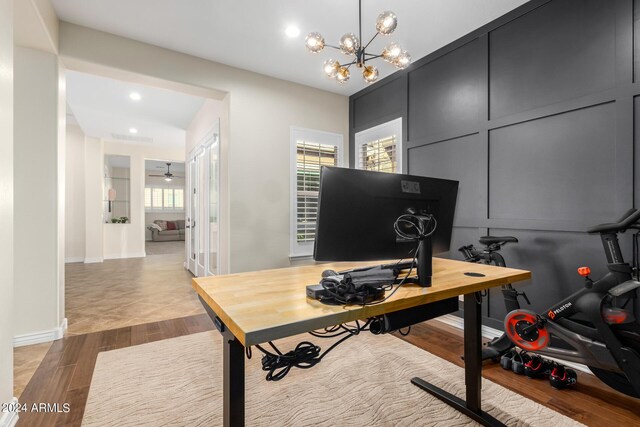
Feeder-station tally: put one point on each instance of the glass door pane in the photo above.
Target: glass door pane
(213, 206)
(201, 195)
(192, 213)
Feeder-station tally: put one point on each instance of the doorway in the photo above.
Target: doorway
(164, 206)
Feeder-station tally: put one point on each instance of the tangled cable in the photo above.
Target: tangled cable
(305, 355)
(423, 229)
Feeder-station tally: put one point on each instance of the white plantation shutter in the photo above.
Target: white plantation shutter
(310, 157)
(163, 198)
(156, 198)
(147, 198)
(178, 198)
(379, 155)
(380, 148)
(310, 151)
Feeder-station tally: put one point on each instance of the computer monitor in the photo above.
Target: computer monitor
(357, 211)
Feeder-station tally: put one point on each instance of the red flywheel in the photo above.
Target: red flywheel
(522, 328)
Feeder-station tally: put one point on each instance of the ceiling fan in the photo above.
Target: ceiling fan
(168, 176)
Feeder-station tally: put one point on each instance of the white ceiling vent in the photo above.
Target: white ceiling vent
(132, 138)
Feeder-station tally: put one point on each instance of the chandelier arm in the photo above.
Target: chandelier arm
(372, 56)
(372, 38)
(330, 45)
(350, 63)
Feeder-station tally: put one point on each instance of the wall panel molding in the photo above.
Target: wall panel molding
(563, 79)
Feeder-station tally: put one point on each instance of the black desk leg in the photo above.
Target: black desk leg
(232, 372)
(472, 368)
(233, 381)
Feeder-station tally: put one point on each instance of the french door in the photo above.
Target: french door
(203, 201)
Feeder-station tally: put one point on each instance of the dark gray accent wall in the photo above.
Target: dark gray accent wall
(534, 114)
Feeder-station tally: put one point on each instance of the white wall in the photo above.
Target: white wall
(128, 240)
(74, 195)
(6, 201)
(36, 222)
(91, 169)
(261, 111)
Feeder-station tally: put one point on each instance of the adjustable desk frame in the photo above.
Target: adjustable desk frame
(234, 361)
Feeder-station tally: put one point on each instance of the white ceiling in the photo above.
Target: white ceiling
(249, 34)
(102, 108)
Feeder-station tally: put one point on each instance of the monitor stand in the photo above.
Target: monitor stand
(425, 270)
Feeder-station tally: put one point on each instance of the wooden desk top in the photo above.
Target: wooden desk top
(261, 306)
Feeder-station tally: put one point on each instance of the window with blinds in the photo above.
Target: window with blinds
(380, 148)
(156, 198)
(379, 155)
(310, 157)
(310, 150)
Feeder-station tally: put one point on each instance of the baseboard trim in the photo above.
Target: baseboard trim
(10, 418)
(93, 260)
(122, 256)
(72, 260)
(40, 337)
(491, 333)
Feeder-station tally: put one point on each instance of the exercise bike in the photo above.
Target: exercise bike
(597, 322)
(490, 255)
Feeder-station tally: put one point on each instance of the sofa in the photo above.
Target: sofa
(164, 231)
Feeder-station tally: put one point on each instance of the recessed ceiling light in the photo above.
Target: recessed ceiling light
(292, 31)
(135, 96)
(133, 130)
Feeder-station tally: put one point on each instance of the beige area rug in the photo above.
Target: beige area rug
(362, 382)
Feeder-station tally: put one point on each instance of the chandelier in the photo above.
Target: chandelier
(351, 45)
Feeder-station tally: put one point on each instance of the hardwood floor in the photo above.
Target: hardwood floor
(64, 376)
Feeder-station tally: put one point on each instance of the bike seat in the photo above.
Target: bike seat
(489, 240)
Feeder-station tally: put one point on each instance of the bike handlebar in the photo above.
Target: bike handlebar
(626, 215)
(631, 219)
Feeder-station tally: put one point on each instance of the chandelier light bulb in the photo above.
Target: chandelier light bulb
(343, 75)
(391, 52)
(331, 67)
(314, 42)
(370, 74)
(387, 22)
(349, 44)
(403, 60)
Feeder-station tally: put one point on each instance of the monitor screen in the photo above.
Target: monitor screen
(357, 210)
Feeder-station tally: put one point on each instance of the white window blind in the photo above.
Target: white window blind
(310, 157)
(380, 148)
(310, 151)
